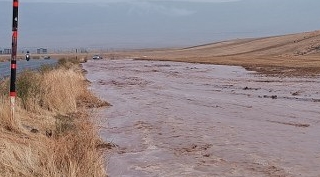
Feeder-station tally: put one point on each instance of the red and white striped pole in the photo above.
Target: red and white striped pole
(13, 93)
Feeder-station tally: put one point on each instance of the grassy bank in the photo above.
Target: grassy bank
(51, 134)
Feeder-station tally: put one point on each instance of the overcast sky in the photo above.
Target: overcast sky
(152, 23)
(94, 1)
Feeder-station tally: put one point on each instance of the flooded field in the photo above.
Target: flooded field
(22, 65)
(185, 120)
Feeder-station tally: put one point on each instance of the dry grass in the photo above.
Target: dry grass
(294, 54)
(51, 134)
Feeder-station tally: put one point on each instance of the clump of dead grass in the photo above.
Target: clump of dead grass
(51, 134)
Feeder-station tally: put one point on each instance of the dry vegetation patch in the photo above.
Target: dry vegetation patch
(51, 134)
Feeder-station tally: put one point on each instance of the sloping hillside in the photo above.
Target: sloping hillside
(294, 44)
(297, 54)
(288, 45)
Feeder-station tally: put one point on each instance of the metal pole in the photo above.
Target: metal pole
(13, 93)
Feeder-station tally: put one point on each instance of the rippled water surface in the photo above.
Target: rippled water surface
(184, 120)
(22, 65)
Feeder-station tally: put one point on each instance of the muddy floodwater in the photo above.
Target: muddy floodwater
(193, 120)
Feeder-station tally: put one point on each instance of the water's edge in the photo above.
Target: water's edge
(183, 119)
(5, 69)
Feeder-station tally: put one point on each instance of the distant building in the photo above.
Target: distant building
(0, 52)
(6, 51)
(42, 51)
(83, 50)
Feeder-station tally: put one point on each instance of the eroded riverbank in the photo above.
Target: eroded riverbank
(182, 119)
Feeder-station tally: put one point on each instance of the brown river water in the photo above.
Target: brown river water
(174, 119)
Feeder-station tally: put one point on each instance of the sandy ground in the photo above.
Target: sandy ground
(179, 119)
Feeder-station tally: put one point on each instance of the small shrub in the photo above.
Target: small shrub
(46, 68)
(64, 124)
(4, 87)
(62, 61)
(28, 87)
(68, 62)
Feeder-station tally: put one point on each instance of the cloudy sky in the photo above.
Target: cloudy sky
(152, 23)
(104, 1)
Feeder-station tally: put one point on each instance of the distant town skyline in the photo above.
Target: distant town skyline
(123, 24)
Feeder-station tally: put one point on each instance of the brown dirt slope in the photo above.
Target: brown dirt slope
(293, 54)
(293, 45)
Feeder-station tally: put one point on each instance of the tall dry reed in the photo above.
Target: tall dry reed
(51, 134)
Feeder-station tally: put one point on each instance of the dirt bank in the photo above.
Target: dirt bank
(181, 119)
(286, 55)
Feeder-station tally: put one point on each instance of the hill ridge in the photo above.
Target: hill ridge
(291, 44)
